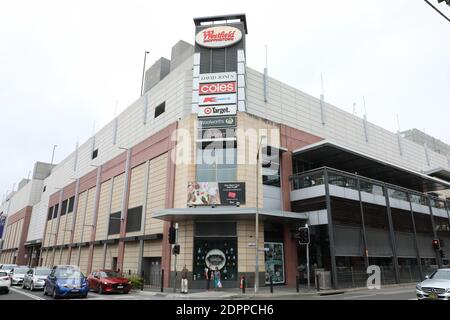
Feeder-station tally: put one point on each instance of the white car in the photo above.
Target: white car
(17, 274)
(435, 287)
(5, 281)
(35, 278)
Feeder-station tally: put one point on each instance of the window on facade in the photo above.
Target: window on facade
(216, 161)
(64, 207)
(134, 218)
(71, 203)
(50, 213)
(160, 109)
(45, 188)
(271, 166)
(94, 154)
(114, 223)
(55, 212)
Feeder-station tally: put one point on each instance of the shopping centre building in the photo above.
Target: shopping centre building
(237, 161)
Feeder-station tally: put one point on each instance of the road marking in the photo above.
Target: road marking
(360, 296)
(29, 295)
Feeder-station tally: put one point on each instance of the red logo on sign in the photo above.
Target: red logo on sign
(207, 110)
(211, 88)
(232, 194)
(210, 99)
(211, 36)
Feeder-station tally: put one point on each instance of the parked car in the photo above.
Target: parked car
(7, 267)
(35, 278)
(17, 274)
(66, 281)
(5, 281)
(435, 287)
(104, 281)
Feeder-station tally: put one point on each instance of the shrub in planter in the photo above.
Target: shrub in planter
(136, 282)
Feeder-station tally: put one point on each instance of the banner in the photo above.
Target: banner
(215, 193)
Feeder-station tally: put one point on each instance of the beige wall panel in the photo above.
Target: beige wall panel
(80, 216)
(246, 254)
(103, 210)
(88, 220)
(153, 248)
(97, 259)
(111, 252)
(84, 260)
(131, 257)
(156, 195)
(186, 241)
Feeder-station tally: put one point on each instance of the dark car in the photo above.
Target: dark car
(104, 281)
(66, 281)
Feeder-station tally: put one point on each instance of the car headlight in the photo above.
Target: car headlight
(419, 287)
(105, 283)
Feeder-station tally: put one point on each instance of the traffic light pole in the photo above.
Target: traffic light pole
(175, 260)
(307, 265)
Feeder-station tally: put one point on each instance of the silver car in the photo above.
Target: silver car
(17, 274)
(35, 278)
(435, 287)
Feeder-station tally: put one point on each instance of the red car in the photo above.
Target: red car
(104, 281)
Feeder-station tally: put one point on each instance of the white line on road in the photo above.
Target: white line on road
(360, 296)
(29, 295)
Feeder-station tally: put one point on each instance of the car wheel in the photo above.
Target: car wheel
(45, 290)
(7, 290)
(100, 289)
(54, 295)
(31, 286)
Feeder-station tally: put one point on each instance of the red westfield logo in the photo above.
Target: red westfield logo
(211, 36)
(232, 194)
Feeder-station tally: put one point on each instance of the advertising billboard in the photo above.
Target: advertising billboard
(217, 77)
(215, 99)
(218, 37)
(215, 193)
(210, 111)
(214, 88)
(217, 122)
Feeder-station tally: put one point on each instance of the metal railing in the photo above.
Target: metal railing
(149, 279)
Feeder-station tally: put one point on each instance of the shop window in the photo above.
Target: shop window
(271, 166)
(216, 162)
(55, 212)
(94, 154)
(114, 223)
(50, 214)
(64, 207)
(134, 218)
(160, 109)
(71, 203)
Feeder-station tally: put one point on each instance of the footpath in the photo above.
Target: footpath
(263, 293)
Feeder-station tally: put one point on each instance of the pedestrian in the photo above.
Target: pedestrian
(217, 282)
(207, 278)
(184, 280)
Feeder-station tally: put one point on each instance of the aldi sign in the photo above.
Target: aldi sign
(220, 110)
(215, 99)
(211, 88)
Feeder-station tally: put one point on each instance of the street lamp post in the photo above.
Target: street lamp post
(143, 73)
(257, 218)
(53, 153)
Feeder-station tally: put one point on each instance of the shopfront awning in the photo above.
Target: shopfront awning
(329, 154)
(221, 212)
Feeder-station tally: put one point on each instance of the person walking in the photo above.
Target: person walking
(184, 280)
(207, 278)
(217, 281)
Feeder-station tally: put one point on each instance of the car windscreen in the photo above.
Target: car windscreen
(68, 273)
(3, 274)
(20, 270)
(7, 266)
(441, 275)
(109, 274)
(42, 272)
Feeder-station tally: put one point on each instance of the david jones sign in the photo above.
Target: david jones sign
(218, 37)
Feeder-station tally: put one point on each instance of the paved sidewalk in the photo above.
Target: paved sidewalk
(264, 292)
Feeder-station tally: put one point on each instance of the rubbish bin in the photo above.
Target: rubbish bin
(324, 278)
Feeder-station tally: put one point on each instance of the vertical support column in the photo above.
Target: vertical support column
(330, 231)
(392, 236)
(74, 216)
(82, 226)
(144, 216)
(435, 236)
(416, 245)
(57, 226)
(105, 250)
(124, 210)
(94, 218)
(363, 225)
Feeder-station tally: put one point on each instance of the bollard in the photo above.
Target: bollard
(317, 282)
(297, 280)
(162, 280)
(271, 284)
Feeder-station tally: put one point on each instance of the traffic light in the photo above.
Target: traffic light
(303, 235)
(176, 249)
(436, 244)
(172, 235)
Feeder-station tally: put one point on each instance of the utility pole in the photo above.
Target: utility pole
(257, 217)
(53, 153)
(143, 73)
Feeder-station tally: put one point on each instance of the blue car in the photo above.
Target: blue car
(66, 281)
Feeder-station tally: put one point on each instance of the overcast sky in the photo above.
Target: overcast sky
(65, 65)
